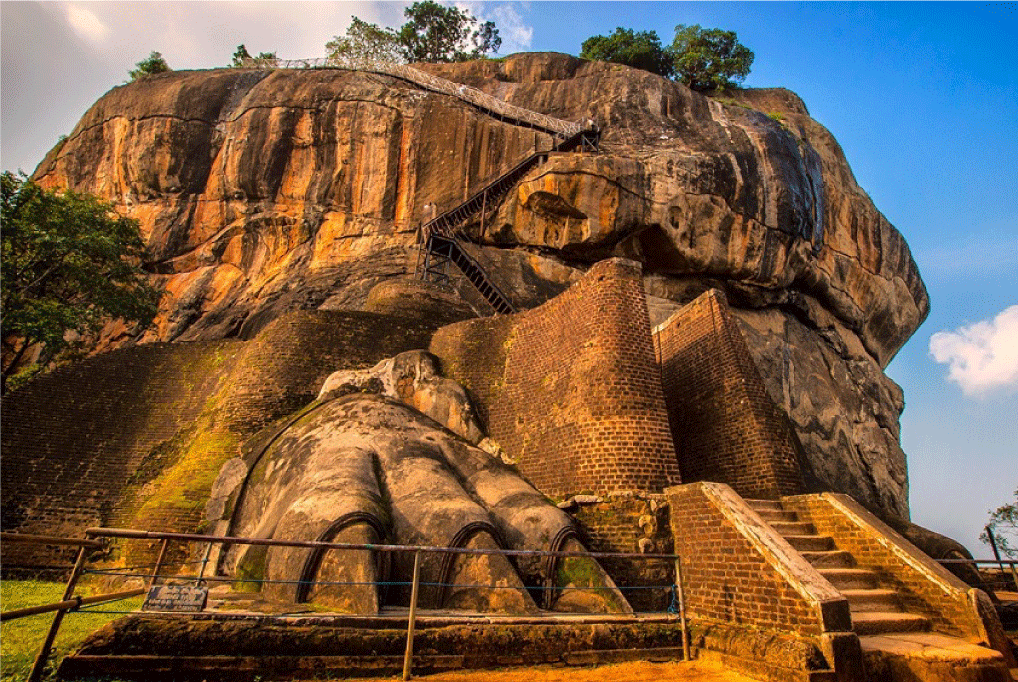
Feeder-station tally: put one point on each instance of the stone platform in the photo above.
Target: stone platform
(245, 645)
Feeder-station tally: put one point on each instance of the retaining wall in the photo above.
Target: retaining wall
(136, 437)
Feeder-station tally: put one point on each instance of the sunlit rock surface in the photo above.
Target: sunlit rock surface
(265, 191)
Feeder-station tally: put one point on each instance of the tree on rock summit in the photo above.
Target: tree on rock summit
(703, 59)
(709, 59)
(434, 33)
(241, 54)
(640, 50)
(149, 66)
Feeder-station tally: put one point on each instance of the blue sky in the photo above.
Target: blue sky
(923, 97)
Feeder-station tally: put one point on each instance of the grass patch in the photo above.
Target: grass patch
(23, 637)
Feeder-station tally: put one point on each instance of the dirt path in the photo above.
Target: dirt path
(695, 671)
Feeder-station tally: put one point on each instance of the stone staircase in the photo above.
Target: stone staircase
(896, 644)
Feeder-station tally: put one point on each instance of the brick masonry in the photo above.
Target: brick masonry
(725, 425)
(726, 578)
(136, 437)
(571, 389)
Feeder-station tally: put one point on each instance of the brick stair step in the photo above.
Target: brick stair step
(879, 599)
(850, 578)
(806, 543)
(771, 516)
(829, 559)
(793, 528)
(764, 505)
(881, 622)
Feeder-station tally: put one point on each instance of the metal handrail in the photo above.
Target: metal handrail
(49, 540)
(555, 126)
(70, 602)
(131, 534)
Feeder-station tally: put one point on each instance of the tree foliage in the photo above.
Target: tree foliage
(641, 50)
(709, 59)
(432, 33)
(241, 54)
(152, 64)
(69, 265)
(367, 41)
(703, 59)
(1003, 524)
(436, 33)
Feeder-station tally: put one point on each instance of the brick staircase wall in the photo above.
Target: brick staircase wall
(725, 425)
(744, 580)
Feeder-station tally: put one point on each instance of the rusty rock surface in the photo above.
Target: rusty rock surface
(265, 191)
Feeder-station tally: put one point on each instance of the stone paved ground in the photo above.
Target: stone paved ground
(695, 671)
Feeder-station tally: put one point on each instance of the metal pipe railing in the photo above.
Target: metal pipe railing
(70, 603)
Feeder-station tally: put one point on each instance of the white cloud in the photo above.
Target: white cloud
(85, 23)
(982, 356)
(516, 35)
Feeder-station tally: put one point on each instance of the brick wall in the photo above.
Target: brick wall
(75, 439)
(571, 389)
(929, 590)
(725, 425)
(136, 437)
(725, 576)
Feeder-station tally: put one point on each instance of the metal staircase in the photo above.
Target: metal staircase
(441, 238)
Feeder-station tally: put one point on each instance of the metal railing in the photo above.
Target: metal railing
(493, 105)
(1003, 582)
(70, 602)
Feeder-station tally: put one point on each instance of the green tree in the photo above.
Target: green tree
(709, 59)
(436, 33)
(366, 41)
(1004, 526)
(241, 54)
(70, 264)
(433, 33)
(640, 50)
(153, 64)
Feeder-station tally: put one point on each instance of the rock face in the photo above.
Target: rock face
(264, 191)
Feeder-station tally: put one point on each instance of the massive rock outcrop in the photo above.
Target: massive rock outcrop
(265, 191)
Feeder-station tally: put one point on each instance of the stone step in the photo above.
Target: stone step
(807, 543)
(873, 600)
(930, 656)
(764, 505)
(850, 578)
(793, 528)
(883, 622)
(771, 516)
(835, 558)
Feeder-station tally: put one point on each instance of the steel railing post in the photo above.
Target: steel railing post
(682, 608)
(409, 655)
(40, 660)
(159, 562)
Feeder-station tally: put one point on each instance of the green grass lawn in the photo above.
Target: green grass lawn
(20, 639)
